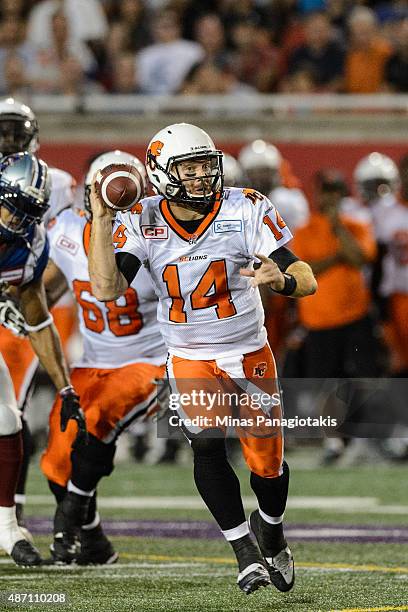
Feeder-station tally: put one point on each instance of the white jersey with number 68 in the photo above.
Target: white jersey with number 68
(114, 333)
(207, 310)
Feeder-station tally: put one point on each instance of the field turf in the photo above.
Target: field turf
(196, 571)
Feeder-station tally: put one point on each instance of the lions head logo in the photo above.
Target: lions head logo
(154, 151)
(260, 369)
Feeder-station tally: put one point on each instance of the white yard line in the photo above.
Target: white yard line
(342, 504)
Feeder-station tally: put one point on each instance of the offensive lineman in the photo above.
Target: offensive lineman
(24, 193)
(199, 243)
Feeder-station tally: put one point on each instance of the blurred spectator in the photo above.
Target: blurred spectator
(206, 78)
(210, 34)
(14, 9)
(72, 79)
(320, 55)
(340, 334)
(46, 71)
(396, 69)
(125, 79)
(16, 82)
(86, 18)
(13, 47)
(130, 30)
(302, 81)
(367, 53)
(163, 66)
(255, 60)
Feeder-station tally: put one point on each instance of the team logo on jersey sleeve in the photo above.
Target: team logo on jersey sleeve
(155, 232)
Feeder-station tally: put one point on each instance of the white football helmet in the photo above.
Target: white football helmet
(376, 175)
(106, 159)
(232, 170)
(18, 128)
(261, 162)
(179, 143)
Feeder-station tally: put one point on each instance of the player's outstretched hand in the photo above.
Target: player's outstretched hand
(71, 409)
(11, 317)
(98, 207)
(268, 273)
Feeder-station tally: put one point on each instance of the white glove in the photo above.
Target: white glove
(10, 316)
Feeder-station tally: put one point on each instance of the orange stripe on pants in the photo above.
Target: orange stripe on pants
(106, 397)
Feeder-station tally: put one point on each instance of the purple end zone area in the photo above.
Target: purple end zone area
(208, 530)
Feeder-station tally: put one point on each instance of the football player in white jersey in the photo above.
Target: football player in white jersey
(199, 243)
(24, 194)
(19, 131)
(262, 163)
(376, 180)
(123, 353)
(393, 234)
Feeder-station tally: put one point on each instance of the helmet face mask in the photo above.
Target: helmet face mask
(197, 180)
(376, 175)
(261, 162)
(372, 189)
(184, 166)
(17, 134)
(22, 203)
(18, 128)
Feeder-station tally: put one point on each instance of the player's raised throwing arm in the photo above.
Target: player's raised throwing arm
(107, 281)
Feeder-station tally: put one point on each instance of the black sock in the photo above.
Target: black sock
(217, 482)
(272, 493)
(91, 510)
(27, 452)
(57, 490)
(246, 552)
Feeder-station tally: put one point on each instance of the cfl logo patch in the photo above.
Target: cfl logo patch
(155, 232)
(260, 369)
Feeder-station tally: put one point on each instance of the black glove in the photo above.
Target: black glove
(71, 409)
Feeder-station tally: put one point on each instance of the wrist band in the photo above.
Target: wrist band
(290, 285)
(35, 328)
(66, 390)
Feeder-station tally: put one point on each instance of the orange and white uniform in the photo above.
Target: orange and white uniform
(17, 352)
(210, 316)
(394, 233)
(123, 350)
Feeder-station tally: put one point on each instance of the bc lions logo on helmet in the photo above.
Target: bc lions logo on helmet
(154, 151)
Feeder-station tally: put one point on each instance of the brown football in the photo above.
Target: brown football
(120, 186)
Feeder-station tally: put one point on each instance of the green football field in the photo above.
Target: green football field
(348, 529)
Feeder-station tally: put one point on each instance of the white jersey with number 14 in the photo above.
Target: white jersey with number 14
(207, 310)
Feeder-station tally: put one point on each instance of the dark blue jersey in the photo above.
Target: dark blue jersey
(24, 260)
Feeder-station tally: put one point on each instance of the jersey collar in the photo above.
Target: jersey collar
(179, 230)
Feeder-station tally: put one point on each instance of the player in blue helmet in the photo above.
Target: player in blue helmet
(24, 194)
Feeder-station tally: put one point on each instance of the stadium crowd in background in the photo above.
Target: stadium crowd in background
(202, 46)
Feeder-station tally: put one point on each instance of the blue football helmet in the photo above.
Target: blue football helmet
(24, 194)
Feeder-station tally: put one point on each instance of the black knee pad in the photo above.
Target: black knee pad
(90, 462)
